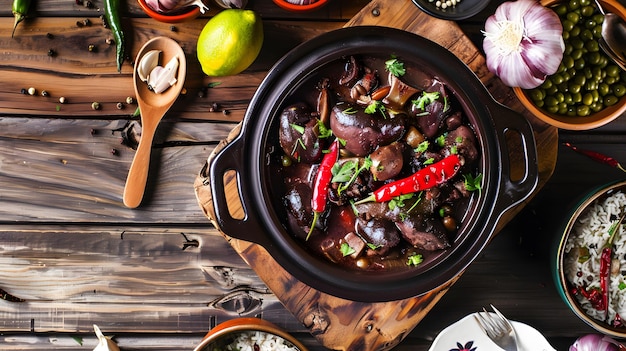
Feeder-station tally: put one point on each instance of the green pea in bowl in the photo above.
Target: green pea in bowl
(588, 90)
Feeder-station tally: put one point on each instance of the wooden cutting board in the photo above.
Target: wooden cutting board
(341, 324)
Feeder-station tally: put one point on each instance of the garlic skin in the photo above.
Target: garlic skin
(232, 4)
(161, 78)
(166, 6)
(104, 342)
(147, 64)
(523, 43)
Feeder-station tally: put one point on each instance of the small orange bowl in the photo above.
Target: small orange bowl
(185, 14)
(225, 333)
(591, 121)
(306, 6)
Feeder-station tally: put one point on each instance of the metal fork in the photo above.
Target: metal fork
(497, 328)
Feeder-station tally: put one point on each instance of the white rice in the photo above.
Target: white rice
(245, 341)
(591, 231)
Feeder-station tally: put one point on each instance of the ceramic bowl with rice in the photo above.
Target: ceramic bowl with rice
(595, 290)
(249, 334)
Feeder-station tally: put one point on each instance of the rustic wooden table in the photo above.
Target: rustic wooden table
(159, 276)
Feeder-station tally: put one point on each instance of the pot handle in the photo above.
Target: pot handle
(230, 158)
(514, 130)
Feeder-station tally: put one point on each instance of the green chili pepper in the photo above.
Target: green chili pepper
(112, 15)
(20, 10)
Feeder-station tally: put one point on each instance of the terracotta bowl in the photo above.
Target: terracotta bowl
(591, 121)
(561, 258)
(186, 14)
(300, 8)
(230, 329)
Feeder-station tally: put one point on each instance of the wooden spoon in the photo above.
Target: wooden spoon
(153, 107)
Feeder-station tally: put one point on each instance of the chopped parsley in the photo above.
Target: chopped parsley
(422, 147)
(425, 99)
(376, 106)
(346, 250)
(350, 111)
(473, 183)
(323, 131)
(297, 128)
(415, 260)
(621, 286)
(441, 140)
(430, 161)
(398, 201)
(343, 172)
(373, 246)
(395, 67)
(348, 172)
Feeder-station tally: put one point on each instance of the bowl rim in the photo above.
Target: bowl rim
(595, 120)
(588, 199)
(592, 121)
(293, 7)
(182, 17)
(457, 13)
(243, 324)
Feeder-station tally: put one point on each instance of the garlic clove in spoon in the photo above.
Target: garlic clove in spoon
(147, 64)
(161, 78)
(104, 342)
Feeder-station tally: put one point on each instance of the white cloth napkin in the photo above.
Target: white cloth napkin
(466, 335)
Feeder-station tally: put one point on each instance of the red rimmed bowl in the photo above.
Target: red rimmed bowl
(249, 155)
(226, 332)
(182, 15)
(300, 5)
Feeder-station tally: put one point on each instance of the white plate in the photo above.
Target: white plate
(466, 335)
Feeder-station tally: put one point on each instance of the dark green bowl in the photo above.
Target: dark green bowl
(559, 251)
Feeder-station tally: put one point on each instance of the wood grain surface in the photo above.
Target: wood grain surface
(341, 324)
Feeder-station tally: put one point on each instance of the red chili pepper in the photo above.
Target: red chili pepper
(596, 156)
(322, 182)
(425, 178)
(594, 296)
(605, 263)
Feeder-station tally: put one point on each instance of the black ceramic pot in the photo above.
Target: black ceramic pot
(249, 152)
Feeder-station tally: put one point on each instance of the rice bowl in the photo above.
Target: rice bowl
(249, 334)
(579, 255)
(253, 341)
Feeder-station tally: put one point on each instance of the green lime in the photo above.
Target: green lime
(230, 42)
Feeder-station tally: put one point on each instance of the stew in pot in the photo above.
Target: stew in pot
(376, 164)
